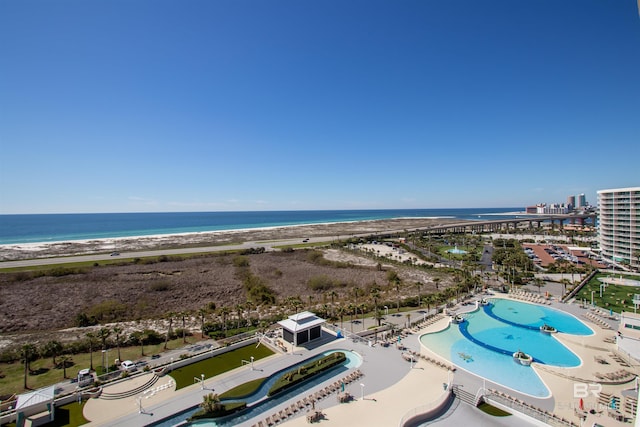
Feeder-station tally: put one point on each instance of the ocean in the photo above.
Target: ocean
(36, 228)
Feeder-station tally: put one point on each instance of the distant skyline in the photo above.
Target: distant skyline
(211, 105)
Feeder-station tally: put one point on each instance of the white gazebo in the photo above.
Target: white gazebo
(35, 402)
(301, 328)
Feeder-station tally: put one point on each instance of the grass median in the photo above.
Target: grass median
(186, 375)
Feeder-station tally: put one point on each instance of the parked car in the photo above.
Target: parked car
(128, 366)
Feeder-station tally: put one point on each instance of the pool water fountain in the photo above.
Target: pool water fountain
(456, 251)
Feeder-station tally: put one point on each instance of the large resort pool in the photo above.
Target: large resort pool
(485, 342)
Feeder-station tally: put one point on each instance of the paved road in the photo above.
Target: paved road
(151, 253)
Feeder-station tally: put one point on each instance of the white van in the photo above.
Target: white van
(128, 366)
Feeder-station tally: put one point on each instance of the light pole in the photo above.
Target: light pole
(171, 365)
(202, 381)
(252, 363)
(362, 388)
(593, 292)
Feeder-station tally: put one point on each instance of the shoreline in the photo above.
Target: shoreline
(20, 251)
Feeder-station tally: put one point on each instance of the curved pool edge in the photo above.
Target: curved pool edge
(564, 339)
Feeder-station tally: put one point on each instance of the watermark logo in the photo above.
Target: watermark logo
(582, 390)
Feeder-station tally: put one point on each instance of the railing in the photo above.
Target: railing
(428, 411)
(528, 410)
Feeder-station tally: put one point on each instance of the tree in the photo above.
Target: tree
(65, 361)
(408, 319)
(211, 403)
(333, 295)
(351, 309)
(53, 348)
(565, 282)
(28, 353)
(429, 299)
(419, 285)
(184, 326)
(103, 334)
(141, 337)
(202, 313)
(239, 310)
(340, 312)
(224, 312)
(117, 330)
(170, 315)
(436, 281)
(394, 280)
(379, 316)
(538, 282)
(91, 340)
(375, 295)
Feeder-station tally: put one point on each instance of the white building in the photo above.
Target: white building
(629, 334)
(619, 225)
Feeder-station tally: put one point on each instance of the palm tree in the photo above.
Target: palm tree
(64, 361)
(538, 282)
(53, 348)
(351, 309)
(340, 312)
(333, 295)
(202, 314)
(363, 309)
(210, 403)
(169, 316)
(224, 312)
(375, 295)
(91, 340)
(436, 280)
(394, 280)
(28, 354)
(429, 299)
(239, 309)
(408, 315)
(565, 282)
(141, 336)
(103, 334)
(419, 285)
(379, 317)
(117, 330)
(183, 314)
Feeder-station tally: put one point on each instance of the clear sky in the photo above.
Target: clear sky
(207, 105)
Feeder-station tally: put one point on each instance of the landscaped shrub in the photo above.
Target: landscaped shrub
(306, 371)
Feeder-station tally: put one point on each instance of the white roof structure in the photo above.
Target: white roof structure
(36, 397)
(301, 321)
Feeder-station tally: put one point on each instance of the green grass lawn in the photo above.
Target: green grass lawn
(49, 375)
(68, 415)
(217, 365)
(492, 410)
(617, 298)
(244, 389)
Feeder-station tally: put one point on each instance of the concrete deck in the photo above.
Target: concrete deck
(391, 387)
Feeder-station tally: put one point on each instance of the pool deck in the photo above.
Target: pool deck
(391, 387)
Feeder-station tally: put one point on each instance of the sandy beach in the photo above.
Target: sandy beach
(12, 252)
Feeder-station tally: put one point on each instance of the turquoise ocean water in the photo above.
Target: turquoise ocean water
(64, 227)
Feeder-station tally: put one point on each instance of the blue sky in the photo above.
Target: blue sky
(207, 105)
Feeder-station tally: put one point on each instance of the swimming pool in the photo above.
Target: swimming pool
(485, 342)
(257, 399)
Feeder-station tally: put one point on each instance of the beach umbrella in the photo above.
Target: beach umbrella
(581, 404)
